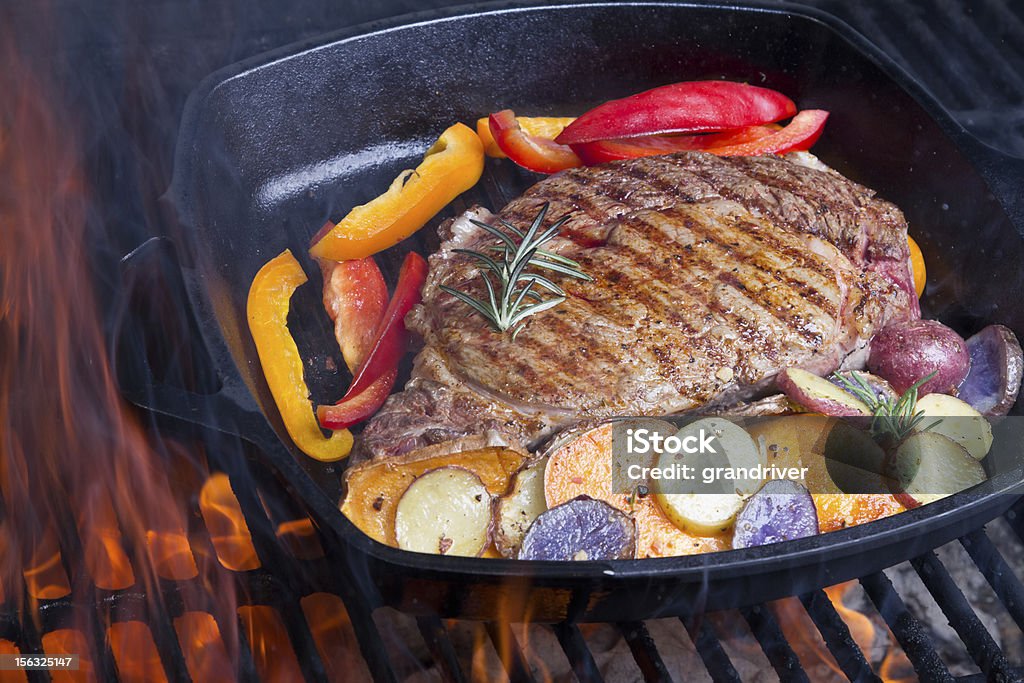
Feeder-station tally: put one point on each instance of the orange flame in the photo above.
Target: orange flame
(205, 655)
(802, 634)
(224, 519)
(73, 455)
(335, 640)
(268, 638)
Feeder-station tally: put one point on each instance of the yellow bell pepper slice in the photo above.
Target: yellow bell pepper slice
(450, 167)
(267, 311)
(537, 126)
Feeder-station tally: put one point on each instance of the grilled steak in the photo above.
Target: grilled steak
(709, 275)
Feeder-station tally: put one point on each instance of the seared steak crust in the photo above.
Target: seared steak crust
(710, 275)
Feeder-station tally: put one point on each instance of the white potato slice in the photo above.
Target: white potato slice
(703, 514)
(516, 510)
(445, 511)
(708, 508)
(957, 421)
(927, 466)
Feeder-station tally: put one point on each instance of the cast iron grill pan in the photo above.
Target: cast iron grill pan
(271, 148)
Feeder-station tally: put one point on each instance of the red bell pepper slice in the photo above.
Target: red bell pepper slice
(689, 107)
(602, 151)
(352, 410)
(529, 151)
(355, 297)
(373, 382)
(801, 133)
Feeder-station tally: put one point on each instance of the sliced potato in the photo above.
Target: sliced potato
(958, 421)
(818, 394)
(374, 486)
(927, 466)
(702, 513)
(515, 511)
(446, 511)
(709, 508)
(581, 529)
(802, 441)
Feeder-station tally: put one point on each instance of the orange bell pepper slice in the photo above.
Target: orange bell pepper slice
(548, 127)
(267, 311)
(917, 268)
(450, 167)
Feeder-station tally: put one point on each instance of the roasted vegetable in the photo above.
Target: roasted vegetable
(958, 421)
(880, 389)
(602, 151)
(581, 464)
(267, 313)
(688, 107)
(782, 510)
(581, 529)
(819, 394)
(803, 441)
(446, 511)
(376, 376)
(927, 466)
(917, 268)
(515, 511)
(547, 127)
(535, 153)
(799, 135)
(355, 298)
(709, 508)
(997, 365)
(374, 487)
(450, 167)
(905, 352)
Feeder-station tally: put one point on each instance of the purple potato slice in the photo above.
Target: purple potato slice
(997, 365)
(781, 511)
(580, 529)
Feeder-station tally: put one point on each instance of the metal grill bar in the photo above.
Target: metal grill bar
(774, 644)
(645, 652)
(716, 661)
(961, 617)
(837, 637)
(912, 637)
(578, 653)
(997, 572)
(435, 635)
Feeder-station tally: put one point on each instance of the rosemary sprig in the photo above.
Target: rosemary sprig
(514, 292)
(891, 418)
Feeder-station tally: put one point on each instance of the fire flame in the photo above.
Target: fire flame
(79, 475)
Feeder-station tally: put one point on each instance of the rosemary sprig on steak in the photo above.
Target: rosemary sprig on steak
(891, 418)
(515, 290)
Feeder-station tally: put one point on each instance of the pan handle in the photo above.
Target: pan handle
(228, 407)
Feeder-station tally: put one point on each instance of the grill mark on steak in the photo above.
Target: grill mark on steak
(699, 264)
(773, 304)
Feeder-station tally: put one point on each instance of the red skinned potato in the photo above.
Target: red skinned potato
(905, 352)
(997, 366)
(819, 395)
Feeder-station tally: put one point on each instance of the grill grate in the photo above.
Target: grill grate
(379, 631)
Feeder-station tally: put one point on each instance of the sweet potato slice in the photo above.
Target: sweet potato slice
(583, 467)
(375, 486)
